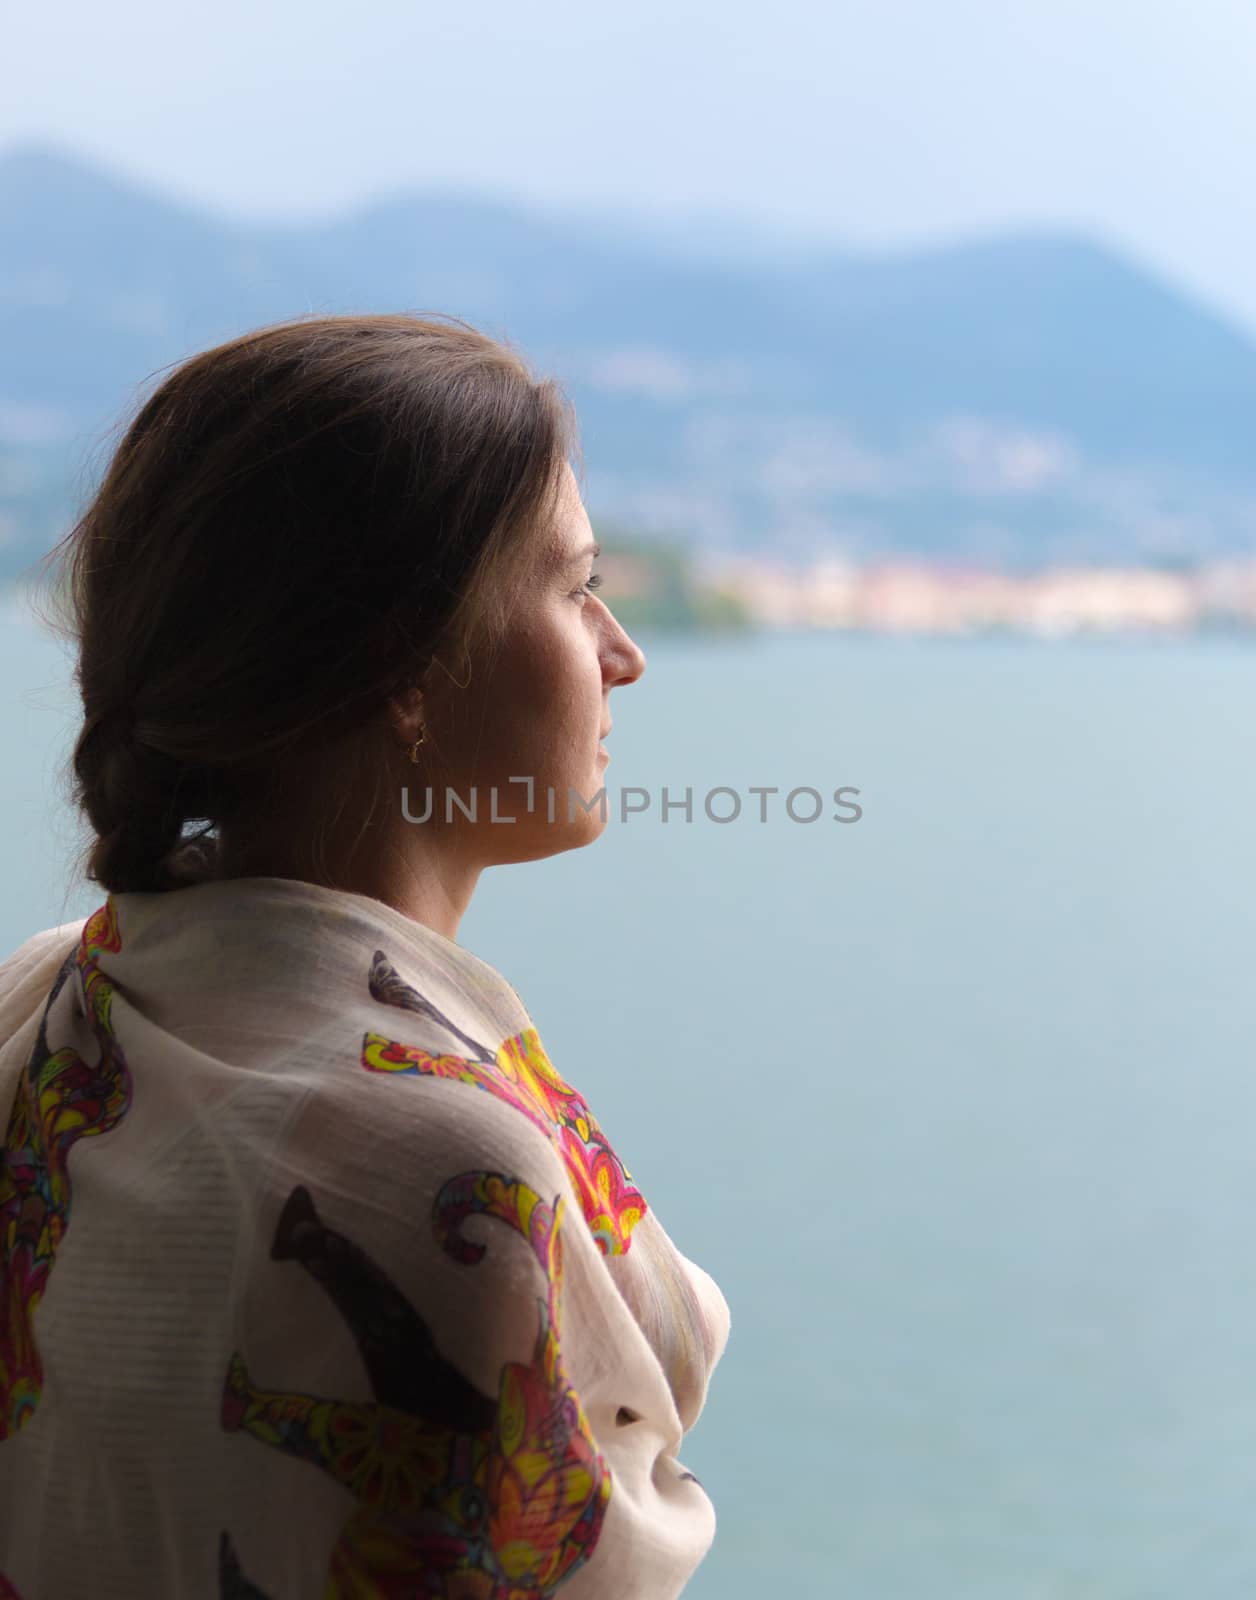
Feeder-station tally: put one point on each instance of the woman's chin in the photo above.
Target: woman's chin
(565, 817)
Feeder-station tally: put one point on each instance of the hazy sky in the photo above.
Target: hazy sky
(877, 121)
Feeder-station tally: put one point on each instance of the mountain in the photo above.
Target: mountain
(1020, 399)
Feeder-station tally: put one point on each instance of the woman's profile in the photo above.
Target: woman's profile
(316, 1277)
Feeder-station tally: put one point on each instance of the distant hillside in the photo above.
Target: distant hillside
(1018, 399)
(651, 585)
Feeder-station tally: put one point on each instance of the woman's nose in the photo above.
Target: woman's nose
(626, 659)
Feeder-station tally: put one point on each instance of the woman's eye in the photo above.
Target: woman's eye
(594, 581)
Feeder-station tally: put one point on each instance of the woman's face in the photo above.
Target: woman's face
(537, 710)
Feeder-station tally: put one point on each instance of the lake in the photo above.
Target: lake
(955, 1101)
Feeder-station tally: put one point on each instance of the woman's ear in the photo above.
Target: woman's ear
(405, 712)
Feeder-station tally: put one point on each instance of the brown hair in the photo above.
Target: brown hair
(291, 528)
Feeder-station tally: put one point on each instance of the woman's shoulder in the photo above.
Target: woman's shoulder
(34, 955)
(289, 944)
(27, 975)
(391, 1055)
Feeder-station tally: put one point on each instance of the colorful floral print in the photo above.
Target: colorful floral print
(457, 1493)
(520, 1073)
(60, 1099)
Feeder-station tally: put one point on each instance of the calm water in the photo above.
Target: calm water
(956, 1102)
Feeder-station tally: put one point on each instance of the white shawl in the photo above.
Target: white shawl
(316, 1279)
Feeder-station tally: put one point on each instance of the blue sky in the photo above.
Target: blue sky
(882, 122)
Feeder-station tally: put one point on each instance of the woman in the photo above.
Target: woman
(318, 1280)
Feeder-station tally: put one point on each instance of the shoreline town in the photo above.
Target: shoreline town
(906, 596)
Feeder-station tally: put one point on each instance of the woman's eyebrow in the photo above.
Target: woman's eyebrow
(555, 561)
(594, 550)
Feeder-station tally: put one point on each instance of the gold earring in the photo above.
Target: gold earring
(414, 748)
